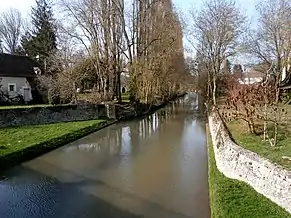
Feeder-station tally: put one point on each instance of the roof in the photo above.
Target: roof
(253, 74)
(17, 66)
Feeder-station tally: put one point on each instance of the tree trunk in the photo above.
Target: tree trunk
(214, 91)
(119, 87)
(275, 134)
(251, 127)
(265, 122)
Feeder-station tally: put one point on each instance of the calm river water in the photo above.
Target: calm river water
(153, 167)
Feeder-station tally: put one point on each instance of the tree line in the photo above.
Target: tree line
(220, 32)
(91, 44)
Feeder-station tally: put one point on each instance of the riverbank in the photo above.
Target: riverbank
(254, 142)
(281, 154)
(22, 143)
(19, 144)
(233, 198)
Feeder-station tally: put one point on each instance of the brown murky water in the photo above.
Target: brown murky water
(153, 167)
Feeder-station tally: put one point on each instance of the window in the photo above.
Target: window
(12, 87)
(37, 70)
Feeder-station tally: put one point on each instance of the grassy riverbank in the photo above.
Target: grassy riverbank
(18, 144)
(232, 198)
(256, 144)
(280, 154)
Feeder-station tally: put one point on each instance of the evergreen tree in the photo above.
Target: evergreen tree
(40, 44)
(226, 67)
(26, 47)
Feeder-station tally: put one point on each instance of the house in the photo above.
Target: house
(251, 76)
(286, 76)
(16, 74)
(237, 71)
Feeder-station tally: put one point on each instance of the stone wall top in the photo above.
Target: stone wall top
(50, 114)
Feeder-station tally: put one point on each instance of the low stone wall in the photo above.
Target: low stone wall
(235, 162)
(53, 114)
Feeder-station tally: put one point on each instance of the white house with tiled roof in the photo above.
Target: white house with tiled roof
(250, 76)
(15, 74)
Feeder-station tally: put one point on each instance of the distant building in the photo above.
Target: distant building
(16, 72)
(251, 76)
(286, 77)
(237, 71)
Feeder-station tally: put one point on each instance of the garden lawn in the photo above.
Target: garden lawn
(256, 144)
(21, 143)
(234, 199)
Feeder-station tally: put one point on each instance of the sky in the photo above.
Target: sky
(246, 6)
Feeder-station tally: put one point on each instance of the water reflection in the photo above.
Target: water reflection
(120, 136)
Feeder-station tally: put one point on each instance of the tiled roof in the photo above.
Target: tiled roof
(253, 74)
(16, 66)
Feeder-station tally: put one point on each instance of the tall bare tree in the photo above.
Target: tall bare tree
(215, 35)
(10, 29)
(140, 37)
(99, 31)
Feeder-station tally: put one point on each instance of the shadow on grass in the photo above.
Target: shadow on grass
(36, 150)
(240, 128)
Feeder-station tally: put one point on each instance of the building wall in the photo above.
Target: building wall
(235, 162)
(20, 82)
(249, 81)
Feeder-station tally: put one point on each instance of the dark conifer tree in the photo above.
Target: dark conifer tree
(40, 44)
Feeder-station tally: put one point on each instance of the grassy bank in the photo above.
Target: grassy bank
(235, 199)
(256, 144)
(280, 154)
(18, 144)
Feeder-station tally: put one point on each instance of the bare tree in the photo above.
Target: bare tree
(271, 43)
(10, 29)
(140, 37)
(215, 35)
(97, 27)
(66, 80)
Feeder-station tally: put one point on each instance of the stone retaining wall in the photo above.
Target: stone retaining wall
(235, 162)
(53, 114)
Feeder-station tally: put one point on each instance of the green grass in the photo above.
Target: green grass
(18, 144)
(256, 144)
(234, 199)
(16, 138)
(25, 106)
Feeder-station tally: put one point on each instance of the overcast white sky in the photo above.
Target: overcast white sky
(23, 5)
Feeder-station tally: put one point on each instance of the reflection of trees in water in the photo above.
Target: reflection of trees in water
(107, 140)
(112, 139)
(152, 124)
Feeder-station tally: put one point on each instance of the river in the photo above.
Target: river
(152, 167)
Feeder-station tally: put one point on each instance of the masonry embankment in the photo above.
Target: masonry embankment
(235, 162)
